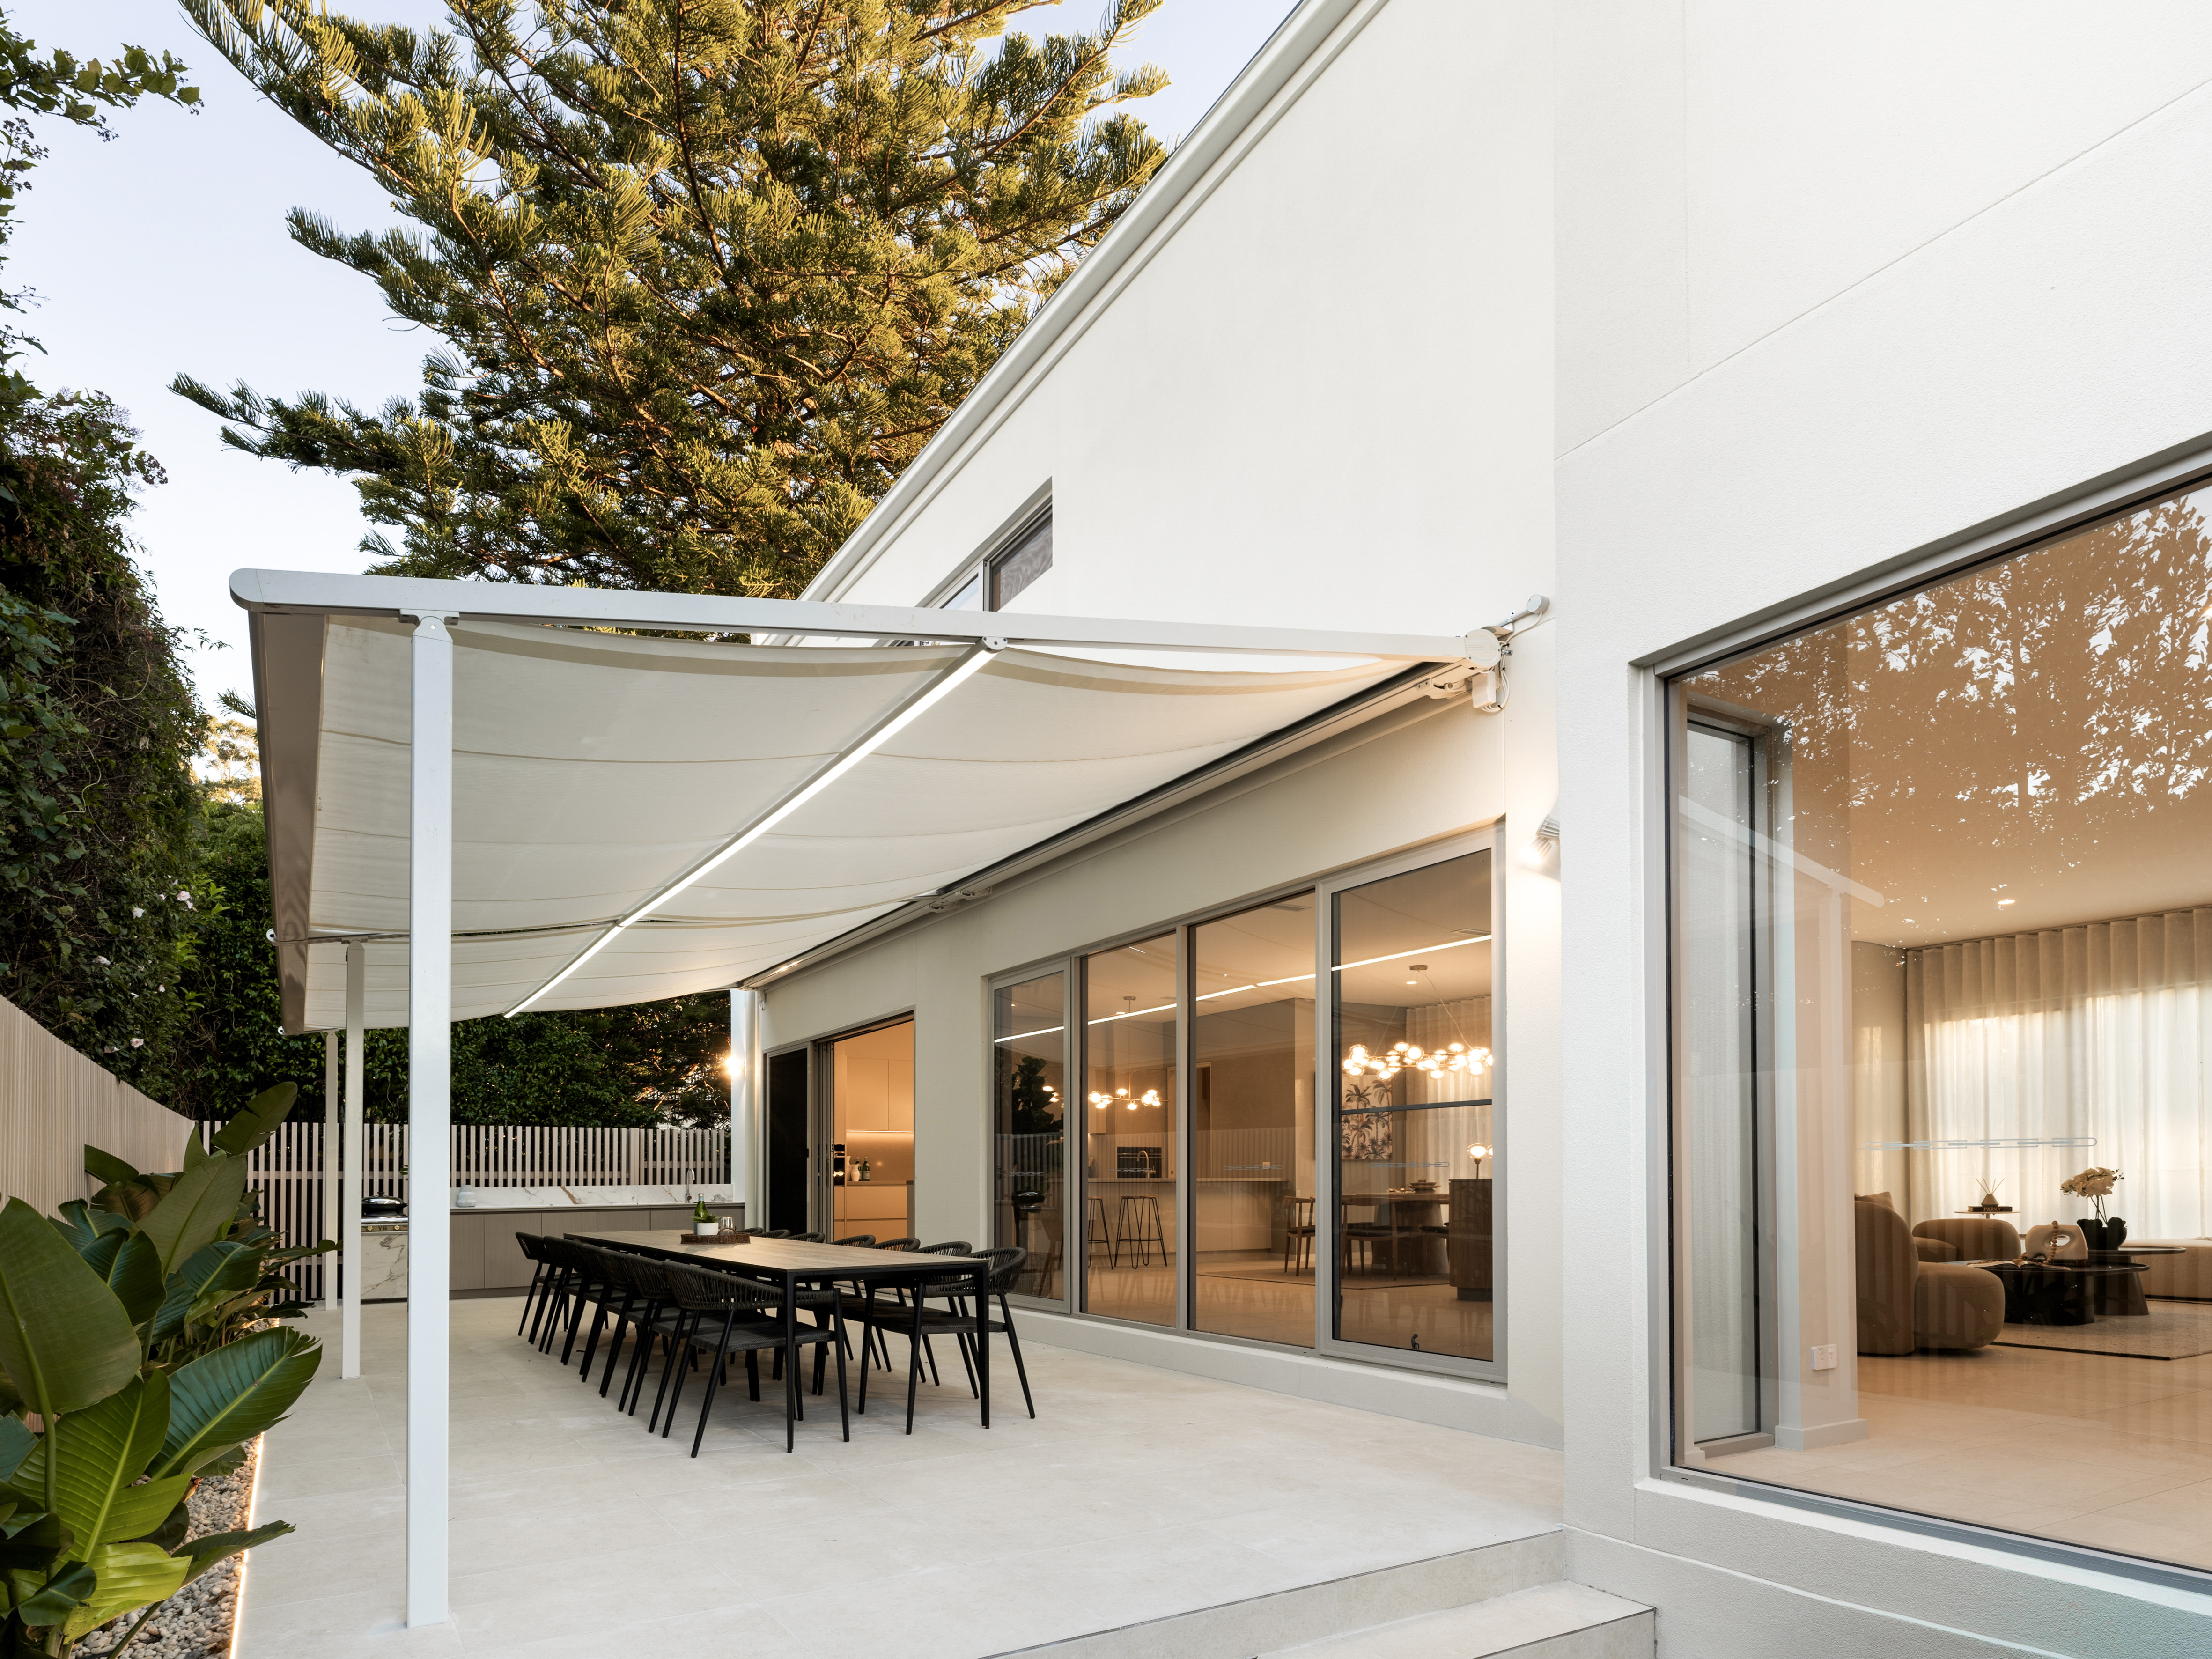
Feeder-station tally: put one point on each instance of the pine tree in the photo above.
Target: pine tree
(709, 272)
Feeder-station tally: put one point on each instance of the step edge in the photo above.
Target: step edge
(1535, 1642)
(1071, 1642)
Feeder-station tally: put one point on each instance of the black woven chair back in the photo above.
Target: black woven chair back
(615, 1267)
(774, 1232)
(806, 1238)
(1007, 1264)
(533, 1246)
(950, 1247)
(909, 1243)
(696, 1290)
(649, 1280)
(857, 1241)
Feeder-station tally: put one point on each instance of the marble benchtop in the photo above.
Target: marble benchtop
(590, 1198)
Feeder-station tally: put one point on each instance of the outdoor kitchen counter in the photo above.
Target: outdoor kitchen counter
(488, 1262)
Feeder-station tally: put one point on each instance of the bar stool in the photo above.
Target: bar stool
(1097, 1233)
(1139, 1227)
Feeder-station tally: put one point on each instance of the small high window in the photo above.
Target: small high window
(992, 585)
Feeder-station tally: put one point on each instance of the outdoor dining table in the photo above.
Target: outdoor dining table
(791, 1263)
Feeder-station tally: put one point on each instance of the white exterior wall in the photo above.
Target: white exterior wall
(1315, 394)
(1793, 295)
(1836, 287)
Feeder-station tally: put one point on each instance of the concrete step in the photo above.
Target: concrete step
(1358, 1603)
(1551, 1621)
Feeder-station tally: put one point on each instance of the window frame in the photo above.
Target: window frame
(980, 570)
(1325, 1341)
(1659, 675)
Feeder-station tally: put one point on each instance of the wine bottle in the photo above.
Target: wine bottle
(703, 1220)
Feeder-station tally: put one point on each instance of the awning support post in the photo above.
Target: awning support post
(429, 1113)
(356, 1172)
(744, 1103)
(330, 1164)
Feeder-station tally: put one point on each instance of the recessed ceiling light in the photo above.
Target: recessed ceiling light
(2003, 903)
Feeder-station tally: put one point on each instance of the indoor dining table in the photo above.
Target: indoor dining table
(791, 1263)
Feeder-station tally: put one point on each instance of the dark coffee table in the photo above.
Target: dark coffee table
(2036, 1295)
(2123, 1293)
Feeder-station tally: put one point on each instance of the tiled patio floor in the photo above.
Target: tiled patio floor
(1137, 1493)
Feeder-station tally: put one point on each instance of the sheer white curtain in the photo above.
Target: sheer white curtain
(2099, 1032)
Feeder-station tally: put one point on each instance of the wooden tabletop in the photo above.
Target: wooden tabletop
(790, 1257)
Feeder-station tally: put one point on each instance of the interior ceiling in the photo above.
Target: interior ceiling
(2027, 746)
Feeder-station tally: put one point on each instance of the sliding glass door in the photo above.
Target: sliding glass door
(1415, 1135)
(1252, 1125)
(1131, 1130)
(1028, 1113)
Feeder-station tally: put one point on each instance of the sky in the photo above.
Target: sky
(165, 250)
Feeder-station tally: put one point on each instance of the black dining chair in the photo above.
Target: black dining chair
(738, 1315)
(891, 1309)
(541, 1273)
(957, 1319)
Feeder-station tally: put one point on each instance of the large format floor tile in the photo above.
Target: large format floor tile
(1136, 1494)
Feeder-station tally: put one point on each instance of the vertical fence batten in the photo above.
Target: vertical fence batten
(288, 1170)
(54, 1101)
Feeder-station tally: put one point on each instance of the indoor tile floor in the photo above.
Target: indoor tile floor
(2099, 1450)
(1136, 1493)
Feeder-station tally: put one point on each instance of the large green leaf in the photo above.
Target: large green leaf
(17, 1444)
(221, 1546)
(50, 1604)
(127, 1578)
(233, 1394)
(65, 1336)
(257, 1120)
(102, 1449)
(223, 1267)
(84, 1226)
(107, 1169)
(196, 1211)
(135, 1276)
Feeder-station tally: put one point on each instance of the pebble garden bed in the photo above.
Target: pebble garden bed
(196, 1623)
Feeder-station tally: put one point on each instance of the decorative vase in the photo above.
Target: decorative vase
(2092, 1232)
(2116, 1233)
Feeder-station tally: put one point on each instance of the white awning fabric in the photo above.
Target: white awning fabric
(592, 769)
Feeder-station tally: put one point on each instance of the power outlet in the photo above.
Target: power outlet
(1824, 1357)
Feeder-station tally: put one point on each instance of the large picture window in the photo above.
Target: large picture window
(1941, 943)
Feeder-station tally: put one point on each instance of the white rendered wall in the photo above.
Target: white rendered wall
(1836, 287)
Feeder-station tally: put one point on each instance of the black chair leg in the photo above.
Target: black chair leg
(679, 1349)
(844, 1417)
(722, 1351)
(752, 1374)
(913, 1363)
(1014, 1343)
(536, 1276)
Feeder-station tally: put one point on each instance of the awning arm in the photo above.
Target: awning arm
(332, 594)
(909, 709)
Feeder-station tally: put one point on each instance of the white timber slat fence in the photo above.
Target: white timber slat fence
(54, 1101)
(289, 1169)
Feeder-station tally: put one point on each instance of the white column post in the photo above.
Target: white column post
(745, 1090)
(330, 1229)
(356, 1166)
(429, 1113)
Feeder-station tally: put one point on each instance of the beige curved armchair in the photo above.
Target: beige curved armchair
(1905, 1303)
(1968, 1238)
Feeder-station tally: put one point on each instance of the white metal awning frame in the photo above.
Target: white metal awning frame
(287, 612)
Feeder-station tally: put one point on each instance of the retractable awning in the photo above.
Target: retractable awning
(640, 817)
